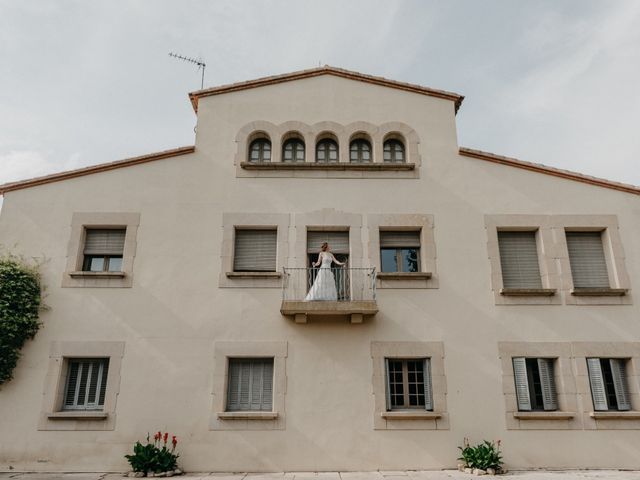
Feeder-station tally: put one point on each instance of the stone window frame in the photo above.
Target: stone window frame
(246, 420)
(428, 277)
(52, 417)
(230, 221)
(610, 420)
(613, 252)
(542, 225)
(327, 219)
(568, 416)
(73, 275)
(377, 134)
(438, 419)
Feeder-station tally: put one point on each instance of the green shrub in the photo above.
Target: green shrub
(484, 455)
(20, 304)
(154, 457)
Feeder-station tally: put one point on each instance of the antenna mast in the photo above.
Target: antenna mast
(195, 61)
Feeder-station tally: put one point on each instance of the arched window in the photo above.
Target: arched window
(393, 151)
(360, 151)
(260, 150)
(293, 150)
(327, 151)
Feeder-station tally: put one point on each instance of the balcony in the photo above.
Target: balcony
(329, 293)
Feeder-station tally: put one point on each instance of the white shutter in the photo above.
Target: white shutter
(399, 239)
(522, 383)
(86, 384)
(100, 241)
(619, 371)
(548, 383)
(586, 256)
(250, 385)
(338, 241)
(519, 260)
(428, 386)
(255, 251)
(388, 383)
(596, 380)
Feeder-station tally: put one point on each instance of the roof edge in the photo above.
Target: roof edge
(103, 167)
(325, 70)
(544, 169)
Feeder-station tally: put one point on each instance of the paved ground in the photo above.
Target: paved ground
(405, 475)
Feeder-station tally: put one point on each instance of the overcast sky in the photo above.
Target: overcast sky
(553, 82)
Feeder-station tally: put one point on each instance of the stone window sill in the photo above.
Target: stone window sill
(599, 292)
(97, 274)
(79, 415)
(528, 292)
(409, 415)
(308, 166)
(247, 415)
(253, 274)
(404, 275)
(543, 415)
(625, 415)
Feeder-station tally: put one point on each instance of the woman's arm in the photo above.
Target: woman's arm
(319, 260)
(342, 264)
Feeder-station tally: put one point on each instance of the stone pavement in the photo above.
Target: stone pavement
(400, 475)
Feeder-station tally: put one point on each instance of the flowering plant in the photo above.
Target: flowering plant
(154, 457)
(484, 455)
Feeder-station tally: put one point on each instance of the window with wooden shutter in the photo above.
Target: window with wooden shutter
(103, 249)
(86, 384)
(608, 380)
(337, 240)
(587, 260)
(250, 385)
(409, 384)
(535, 384)
(519, 260)
(400, 251)
(255, 251)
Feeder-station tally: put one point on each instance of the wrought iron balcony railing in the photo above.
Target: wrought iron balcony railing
(329, 292)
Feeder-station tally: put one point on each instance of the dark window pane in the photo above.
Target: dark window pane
(388, 260)
(115, 264)
(410, 260)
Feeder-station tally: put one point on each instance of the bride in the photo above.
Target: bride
(324, 285)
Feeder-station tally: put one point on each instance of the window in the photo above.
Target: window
(103, 249)
(587, 260)
(250, 384)
(86, 384)
(409, 384)
(360, 151)
(327, 151)
(293, 150)
(400, 251)
(519, 260)
(260, 150)
(535, 383)
(393, 151)
(255, 251)
(608, 379)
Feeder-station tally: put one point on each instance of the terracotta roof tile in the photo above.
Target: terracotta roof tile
(326, 70)
(556, 172)
(103, 167)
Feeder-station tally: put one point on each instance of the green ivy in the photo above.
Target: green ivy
(20, 304)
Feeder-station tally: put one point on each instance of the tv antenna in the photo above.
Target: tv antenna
(195, 61)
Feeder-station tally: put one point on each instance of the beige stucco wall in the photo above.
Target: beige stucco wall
(175, 311)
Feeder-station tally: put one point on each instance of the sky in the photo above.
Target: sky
(552, 82)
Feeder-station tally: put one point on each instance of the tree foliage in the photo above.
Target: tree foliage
(20, 304)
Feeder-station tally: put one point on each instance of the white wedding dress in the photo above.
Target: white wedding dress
(324, 286)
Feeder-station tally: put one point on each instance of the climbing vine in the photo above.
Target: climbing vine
(20, 305)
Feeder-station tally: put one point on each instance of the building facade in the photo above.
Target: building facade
(482, 296)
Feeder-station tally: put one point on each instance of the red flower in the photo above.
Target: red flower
(157, 436)
(174, 441)
(166, 437)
